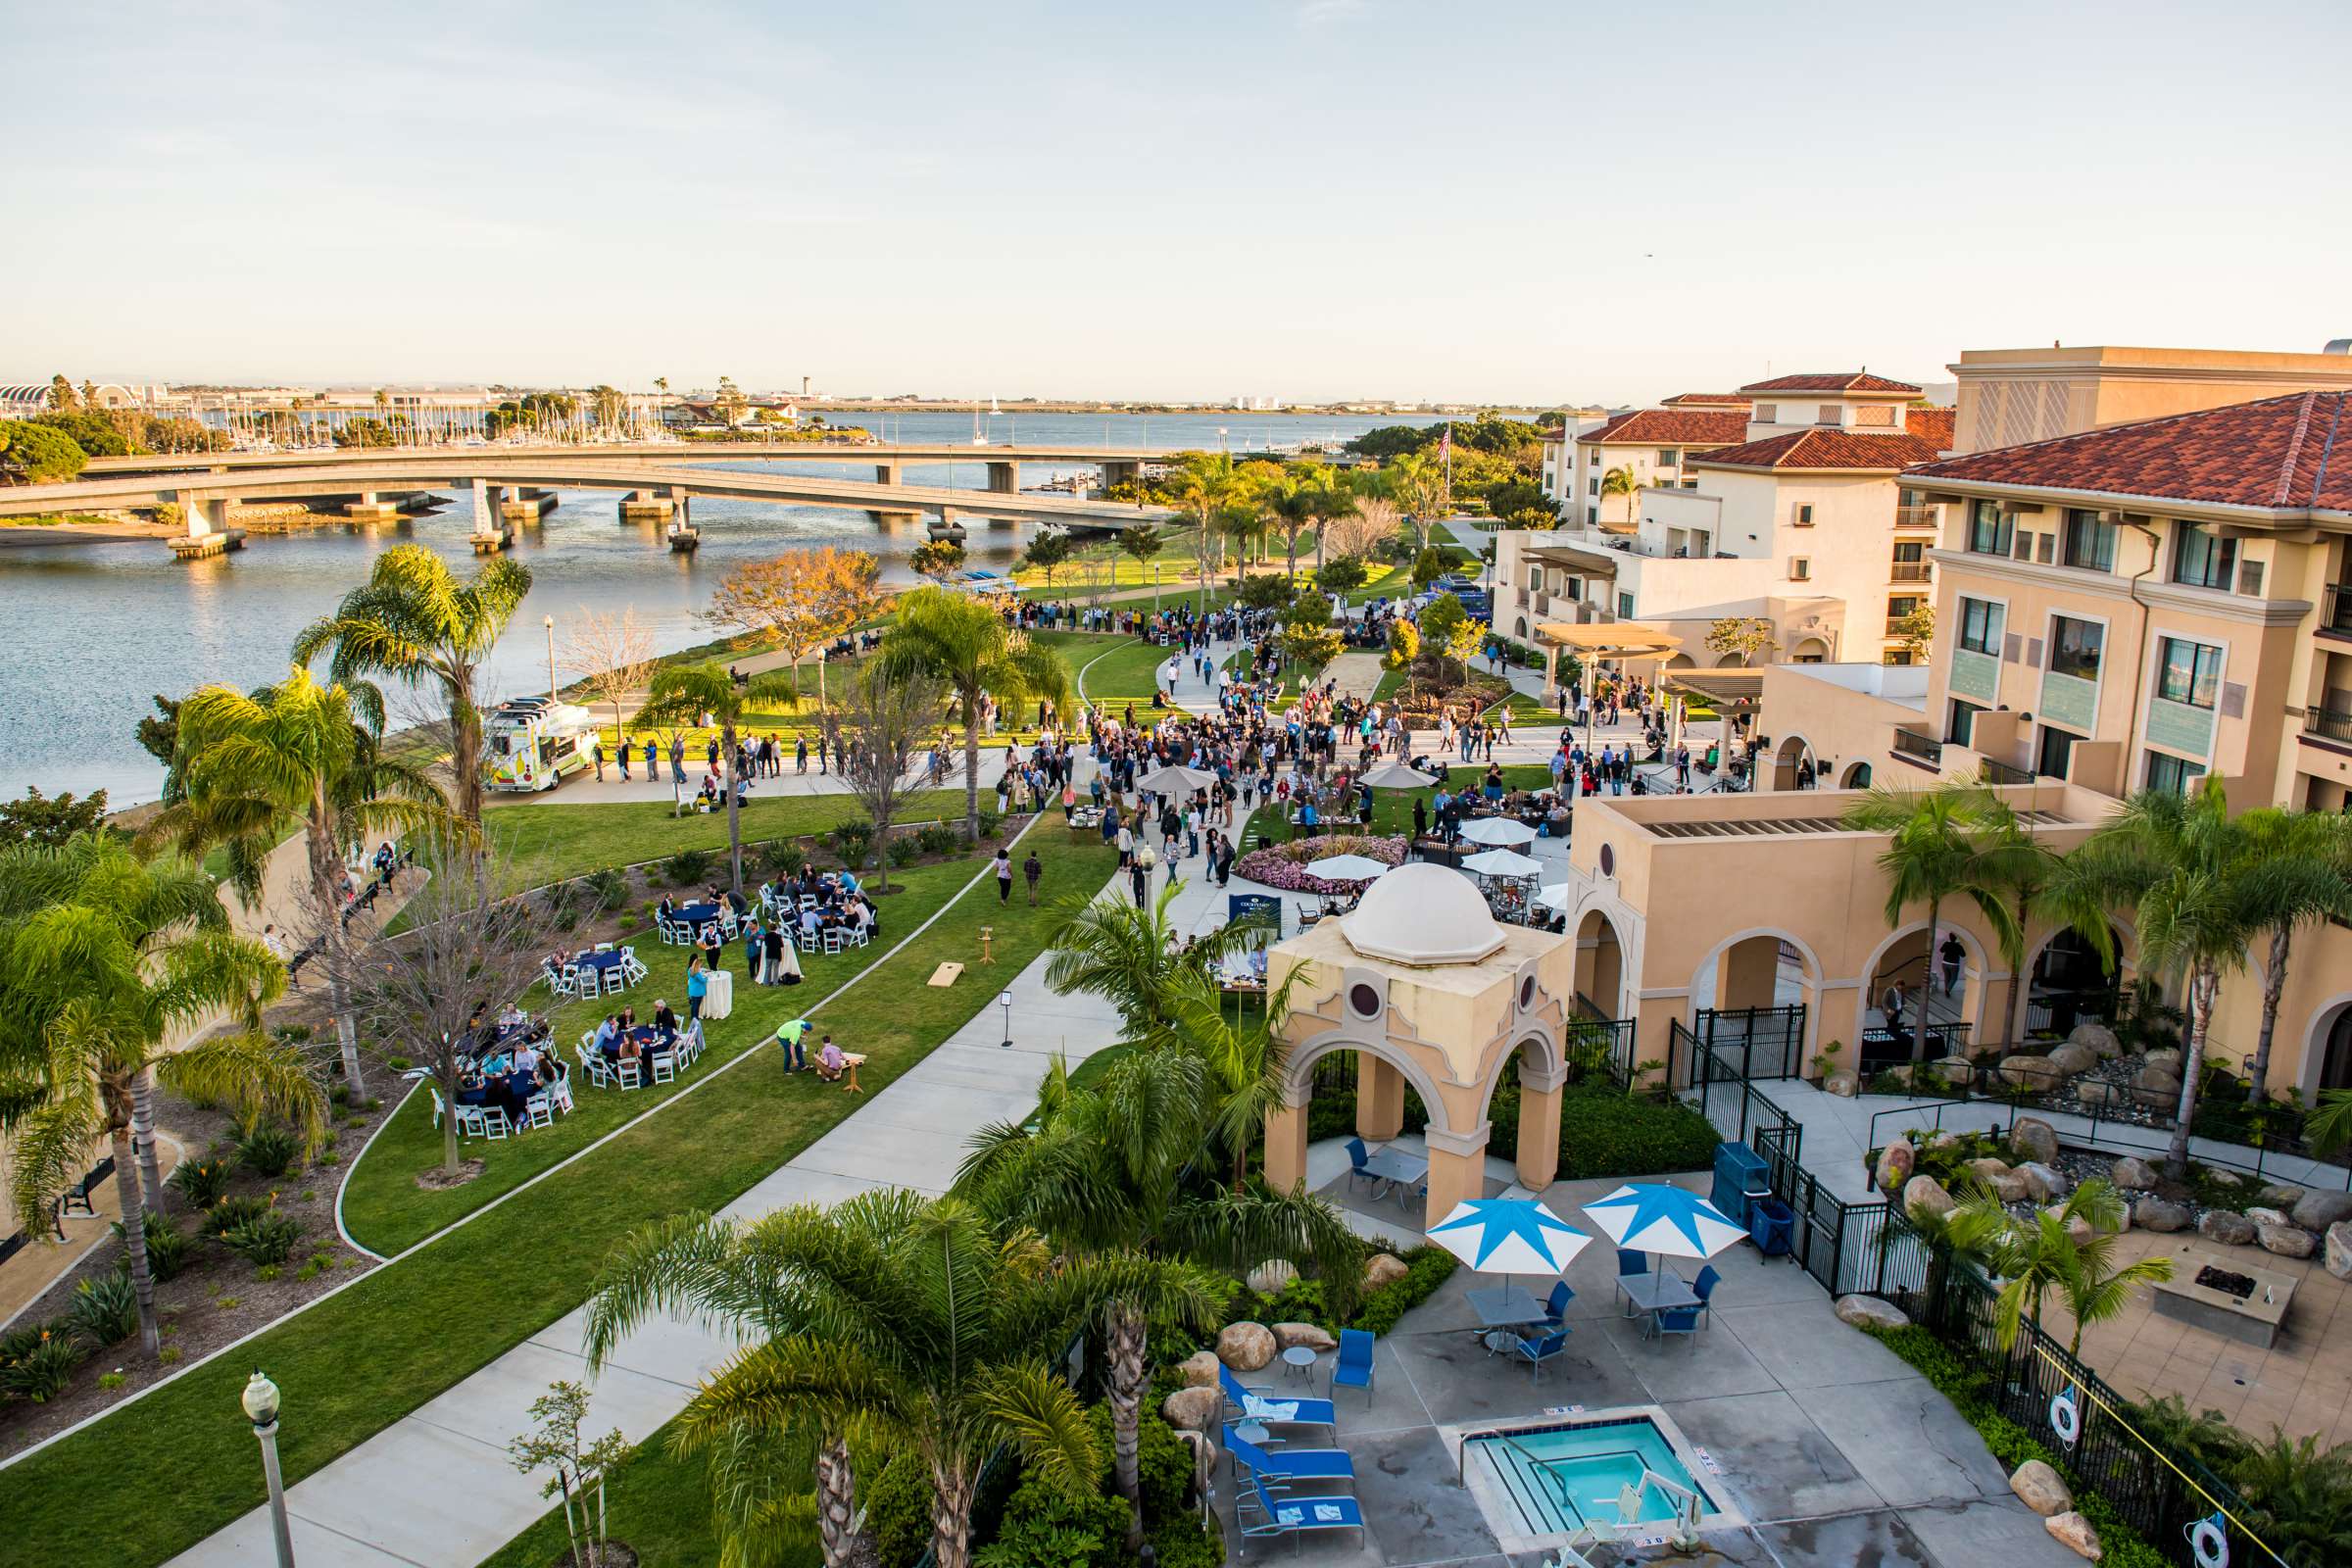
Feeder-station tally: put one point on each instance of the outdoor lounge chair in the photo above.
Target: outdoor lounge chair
(1294, 1516)
(1704, 1288)
(1539, 1350)
(1284, 1465)
(1630, 1265)
(1353, 1368)
(1260, 1405)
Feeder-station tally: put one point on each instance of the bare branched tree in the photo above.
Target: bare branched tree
(1366, 532)
(612, 655)
(876, 730)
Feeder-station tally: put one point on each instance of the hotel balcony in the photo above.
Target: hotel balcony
(2321, 724)
(1919, 514)
(2335, 611)
(1907, 572)
(1918, 750)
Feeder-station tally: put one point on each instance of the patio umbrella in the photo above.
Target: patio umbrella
(1175, 779)
(1653, 1218)
(1398, 776)
(1503, 832)
(1503, 862)
(1509, 1236)
(1348, 869)
(1554, 896)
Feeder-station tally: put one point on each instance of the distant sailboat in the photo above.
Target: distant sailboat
(992, 410)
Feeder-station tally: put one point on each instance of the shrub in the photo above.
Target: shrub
(898, 1504)
(111, 1381)
(1047, 1525)
(607, 889)
(397, 1064)
(104, 1311)
(1427, 1268)
(904, 851)
(851, 841)
(1606, 1133)
(687, 866)
(782, 858)
(268, 1150)
(231, 1213)
(990, 822)
(937, 838)
(267, 1239)
(202, 1182)
(169, 1250)
(37, 1362)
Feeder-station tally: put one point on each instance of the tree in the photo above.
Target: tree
(608, 405)
(687, 696)
(1418, 482)
(911, 1314)
(975, 653)
(1206, 486)
(1404, 648)
(1048, 553)
(50, 820)
(1308, 637)
(107, 964)
(1342, 574)
(414, 620)
(731, 401)
(553, 1444)
(1268, 592)
(2024, 872)
(1622, 482)
(34, 453)
(93, 432)
(612, 655)
(1143, 542)
(803, 599)
(1448, 634)
(1105, 946)
(158, 737)
(1332, 502)
(1366, 531)
(1936, 849)
(1293, 503)
(1745, 635)
(2301, 871)
(1428, 566)
(875, 733)
(62, 396)
(2037, 1256)
(937, 558)
(1915, 631)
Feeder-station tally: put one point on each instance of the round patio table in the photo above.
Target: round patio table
(1300, 1361)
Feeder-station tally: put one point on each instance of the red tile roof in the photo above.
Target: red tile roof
(2289, 452)
(1826, 449)
(1850, 382)
(1932, 424)
(1714, 400)
(1716, 427)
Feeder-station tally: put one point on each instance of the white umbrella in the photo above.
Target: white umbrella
(1503, 862)
(1554, 896)
(1653, 1218)
(1398, 776)
(1348, 869)
(1175, 779)
(1500, 831)
(1509, 1236)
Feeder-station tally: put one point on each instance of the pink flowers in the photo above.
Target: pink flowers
(1284, 866)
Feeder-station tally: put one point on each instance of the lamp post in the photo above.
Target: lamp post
(1005, 1000)
(550, 622)
(261, 1408)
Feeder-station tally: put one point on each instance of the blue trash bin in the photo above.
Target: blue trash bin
(1770, 1226)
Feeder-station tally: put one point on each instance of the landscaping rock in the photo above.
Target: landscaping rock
(2070, 1058)
(1313, 1336)
(2268, 1217)
(1925, 1194)
(2167, 1061)
(2043, 1183)
(2028, 1072)
(2133, 1174)
(1194, 1409)
(2003, 1182)
(1269, 1277)
(2287, 1240)
(1953, 1069)
(2038, 1488)
(1896, 1162)
(1987, 1168)
(2099, 1092)
(2157, 1080)
(1384, 1268)
(2229, 1229)
(2224, 1178)
(2282, 1194)
(1945, 1137)
(2074, 1533)
(1843, 1084)
(2032, 1137)
(2159, 1214)
(2097, 1039)
(1870, 1311)
(2078, 1231)
(2338, 1257)
(1246, 1346)
(1199, 1369)
(2317, 1210)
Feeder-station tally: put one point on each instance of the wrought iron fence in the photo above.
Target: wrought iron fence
(1770, 1041)
(1597, 1045)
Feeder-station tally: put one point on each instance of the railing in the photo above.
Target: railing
(1895, 625)
(1770, 1041)
(1919, 514)
(2327, 725)
(1993, 771)
(1908, 571)
(1913, 747)
(2335, 611)
(1595, 1045)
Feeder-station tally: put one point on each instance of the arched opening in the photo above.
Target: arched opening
(2335, 1054)
(1755, 995)
(1855, 777)
(1682, 662)
(1732, 661)
(1792, 764)
(1810, 650)
(1521, 627)
(1906, 982)
(2068, 984)
(1600, 967)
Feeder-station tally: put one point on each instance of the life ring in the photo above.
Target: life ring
(2209, 1543)
(2066, 1417)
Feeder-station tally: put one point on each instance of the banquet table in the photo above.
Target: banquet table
(695, 915)
(610, 974)
(509, 1092)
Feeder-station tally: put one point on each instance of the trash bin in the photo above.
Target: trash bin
(1740, 1176)
(1770, 1226)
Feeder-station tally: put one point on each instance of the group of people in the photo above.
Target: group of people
(830, 1062)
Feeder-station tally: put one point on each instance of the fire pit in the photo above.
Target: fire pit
(2240, 1286)
(2224, 1297)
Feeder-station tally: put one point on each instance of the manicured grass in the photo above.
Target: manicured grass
(1392, 809)
(397, 1338)
(553, 841)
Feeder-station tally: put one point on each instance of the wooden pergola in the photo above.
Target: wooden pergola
(1625, 641)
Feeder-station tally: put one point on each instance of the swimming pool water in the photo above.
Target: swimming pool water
(1559, 1477)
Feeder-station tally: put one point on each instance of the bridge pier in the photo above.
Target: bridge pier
(947, 525)
(209, 532)
(886, 474)
(490, 532)
(643, 506)
(528, 503)
(1004, 478)
(895, 522)
(1120, 471)
(381, 506)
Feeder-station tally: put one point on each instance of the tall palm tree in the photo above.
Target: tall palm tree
(2301, 871)
(1206, 486)
(302, 751)
(913, 1313)
(1936, 849)
(1622, 482)
(687, 696)
(1333, 500)
(2183, 866)
(1114, 1167)
(2023, 870)
(106, 961)
(975, 653)
(1293, 503)
(1106, 946)
(1243, 1059)
(415, 621)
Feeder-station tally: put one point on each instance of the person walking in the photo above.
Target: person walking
(1003, 875)
(652, 761)
(1033, 869)
(1891, 1005)
(800, 755)
(623, 751)
(1956, 957)
(1139, 877)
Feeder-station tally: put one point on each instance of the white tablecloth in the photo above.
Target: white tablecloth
(720, 999)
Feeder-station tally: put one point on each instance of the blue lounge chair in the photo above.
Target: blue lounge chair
(1537, 1352)
(1630, 1265)
(1304, 1413)
(1556, 1307)
(1357, 1156)
(1353, 1368)
(1704, 1287)
(1294, 1516)
(1675, 1320)
(1286, 1465)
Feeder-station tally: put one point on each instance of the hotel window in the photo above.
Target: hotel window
(2187, 672)
(1800, 569)
(1768, 413)
(1592, 485)
(2055, 752)
(2089, 541)
(2173, 774)
(2074, 647)
(1980, 626)
(1964, 721)
(1829, 413)
(1668, 457)
(1990, 530)
(2200, 560)
(1591, 514)
(1625, 605)
(1802, 516)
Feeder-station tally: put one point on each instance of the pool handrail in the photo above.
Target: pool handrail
(1687, 1500)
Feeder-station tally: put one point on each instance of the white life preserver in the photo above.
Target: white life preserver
(2066, 1417)
(2209, 1543)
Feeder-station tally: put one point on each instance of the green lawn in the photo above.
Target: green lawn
(394, 1339)
(1392, 809)
(551, 841)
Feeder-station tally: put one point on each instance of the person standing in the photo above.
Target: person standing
(1033, 869)
(820, 751)
(596, 755)
(1003, 875)
(652, 761)
(788, 1036)
(1956, 957)
(800, 755)
(697, 981)
(1891, 1005)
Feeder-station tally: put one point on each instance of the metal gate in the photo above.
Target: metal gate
(1768, 1042)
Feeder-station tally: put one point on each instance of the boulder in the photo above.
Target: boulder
(1945, 1137)
(2070, 1058)
(2287, 1240)
(2338, 1255)
(2162, 1094)
(1999, 1180)
(2166, 1061)
(1954, 1069)
(1843, 1084)
(1313, 1336)
(2268, 1217)
(2317, 1210)
(1896, 1162)
(2028, 1072)
(2224, 1178)
(2280, 1196)
(2032, 1137)
(2097, 1039)
(2154, 1214)
(1269, 1277)
(1199, 1369)
(2158, 1082)
(1987, 1168)
(1870, 1313)
(1926, 1195)
(2072, 1531)
(2038, 1488)
(1194, 1409)
(2226, 1227)
(2078, 1231)
(1246, 1346)
(2133, 1174)
(2043, 1183)
(2099, 1092)
(1384, 1268)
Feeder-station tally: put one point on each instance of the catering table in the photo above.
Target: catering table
(694, 916)
(508, 1091)
(719, 993)
(612, 972)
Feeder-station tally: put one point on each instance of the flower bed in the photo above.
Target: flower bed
(1284, 866)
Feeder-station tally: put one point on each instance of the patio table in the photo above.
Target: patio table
(1651, 1294)
(609, 967)
(1502, 1306)
(1397, 1168)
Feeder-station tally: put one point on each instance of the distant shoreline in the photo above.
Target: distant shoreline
(93, 531)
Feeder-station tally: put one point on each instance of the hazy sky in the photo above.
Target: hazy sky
(1312, 199)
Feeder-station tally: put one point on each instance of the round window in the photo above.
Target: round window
(1527, 990)
(1609, 860)
(1364, 1000)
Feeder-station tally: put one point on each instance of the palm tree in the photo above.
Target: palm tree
(106, 962)
(2301, 871)
(306, 752)
(2198, 891)
(1418, 484)
(1293, 503)
(1622, 482)
(975, 653)
(911, 1314)
(687, 696)
(1112, 1167)
(415, 621)
(2023, 867)
(1936, 849)
(1129, 956)
(1244, 1059)
(1206, 486)
(1332, 501)
(2040, 1256)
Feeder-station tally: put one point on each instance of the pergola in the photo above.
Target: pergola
(1593, 641)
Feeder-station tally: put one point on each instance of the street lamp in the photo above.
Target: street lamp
(1005, 1000)
(261, 1408)
(550, 622)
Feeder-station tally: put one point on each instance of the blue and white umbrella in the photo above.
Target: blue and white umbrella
(1653, 1217)
(1509, 1236)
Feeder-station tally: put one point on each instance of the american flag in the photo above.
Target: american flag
(1446, 444)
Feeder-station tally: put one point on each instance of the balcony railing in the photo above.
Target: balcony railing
(1919, 749)
(1907, 572)
(2000, 772)
(2335, 611)
(1919, 514)
(2329, 726)
(1895, 625)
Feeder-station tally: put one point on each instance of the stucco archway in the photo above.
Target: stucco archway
(1599, 964)
(1855, 777)
(1792, 764)
(1902, 956)
(2327, 1047)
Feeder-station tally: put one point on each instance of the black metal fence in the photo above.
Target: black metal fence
(1770, 1041)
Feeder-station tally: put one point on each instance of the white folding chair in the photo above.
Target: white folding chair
(632, 965)
(808, 901)
(729, 925)
(858, 936)
(436, 1094)
(539, 1110)
(558, 983)
(470, 1121)
(665, 1066)
(583, 981)
(627, 1074)
(495, 1125)
(560, 1093)
(833, 939)
(592, 1061)
(695, 1042)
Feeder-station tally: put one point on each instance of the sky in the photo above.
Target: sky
(1301, 199)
